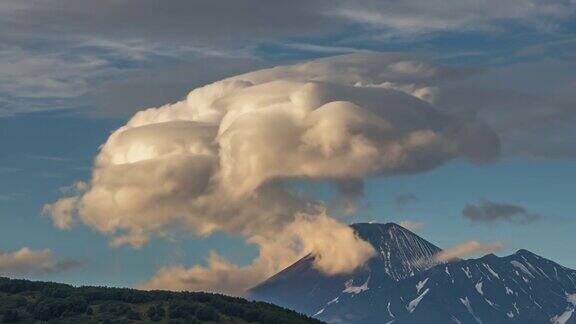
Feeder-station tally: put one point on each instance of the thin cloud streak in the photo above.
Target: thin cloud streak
(487, 211)
(27, 261)
(403, 200)
(467, 249)
(49, 158)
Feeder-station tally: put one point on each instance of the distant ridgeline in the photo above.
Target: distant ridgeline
(30, 302)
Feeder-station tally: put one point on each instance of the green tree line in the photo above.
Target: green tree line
(24, 301)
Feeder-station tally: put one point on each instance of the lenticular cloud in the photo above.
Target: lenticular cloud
(219, 161)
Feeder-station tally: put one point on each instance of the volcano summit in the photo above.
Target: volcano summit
(404, 284)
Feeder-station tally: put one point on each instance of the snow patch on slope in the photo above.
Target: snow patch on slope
(421, 285)
(479, 288)
(402, 252)
(491, 271)
(351, 289)
(521, 267)
(414, 303)
(467, 272)
(390, 312)
(564, 317)
(468, 306)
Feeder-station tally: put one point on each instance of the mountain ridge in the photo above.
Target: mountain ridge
(522, 287)
(378, 231)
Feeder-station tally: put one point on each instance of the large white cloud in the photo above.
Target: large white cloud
(218, 160)
(336, 247)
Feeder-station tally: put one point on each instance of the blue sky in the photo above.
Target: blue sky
(62, 95)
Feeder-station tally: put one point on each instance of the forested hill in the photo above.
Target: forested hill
(24, 301)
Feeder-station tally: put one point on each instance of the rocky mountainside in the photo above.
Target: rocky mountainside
(400, 254)
(402, 285)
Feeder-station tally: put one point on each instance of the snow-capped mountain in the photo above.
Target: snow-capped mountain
(402, 285)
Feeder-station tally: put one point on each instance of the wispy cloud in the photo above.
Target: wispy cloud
(8, 196)
(66, 74)
(6, 170)
(412, 225)
(428, 16)
(467, 249)
(325, 49)
(404, 200)
(42, 80)
(50, 158)
(28, 261)
(488, 212)
(31, 74)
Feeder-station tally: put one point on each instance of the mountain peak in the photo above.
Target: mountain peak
(398, 285)
(388, 225)
(400, 253)
(372, 227)
(524, 252)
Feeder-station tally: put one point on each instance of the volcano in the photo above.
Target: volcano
(403, 284)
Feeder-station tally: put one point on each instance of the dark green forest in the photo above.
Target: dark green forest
(24, 301)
